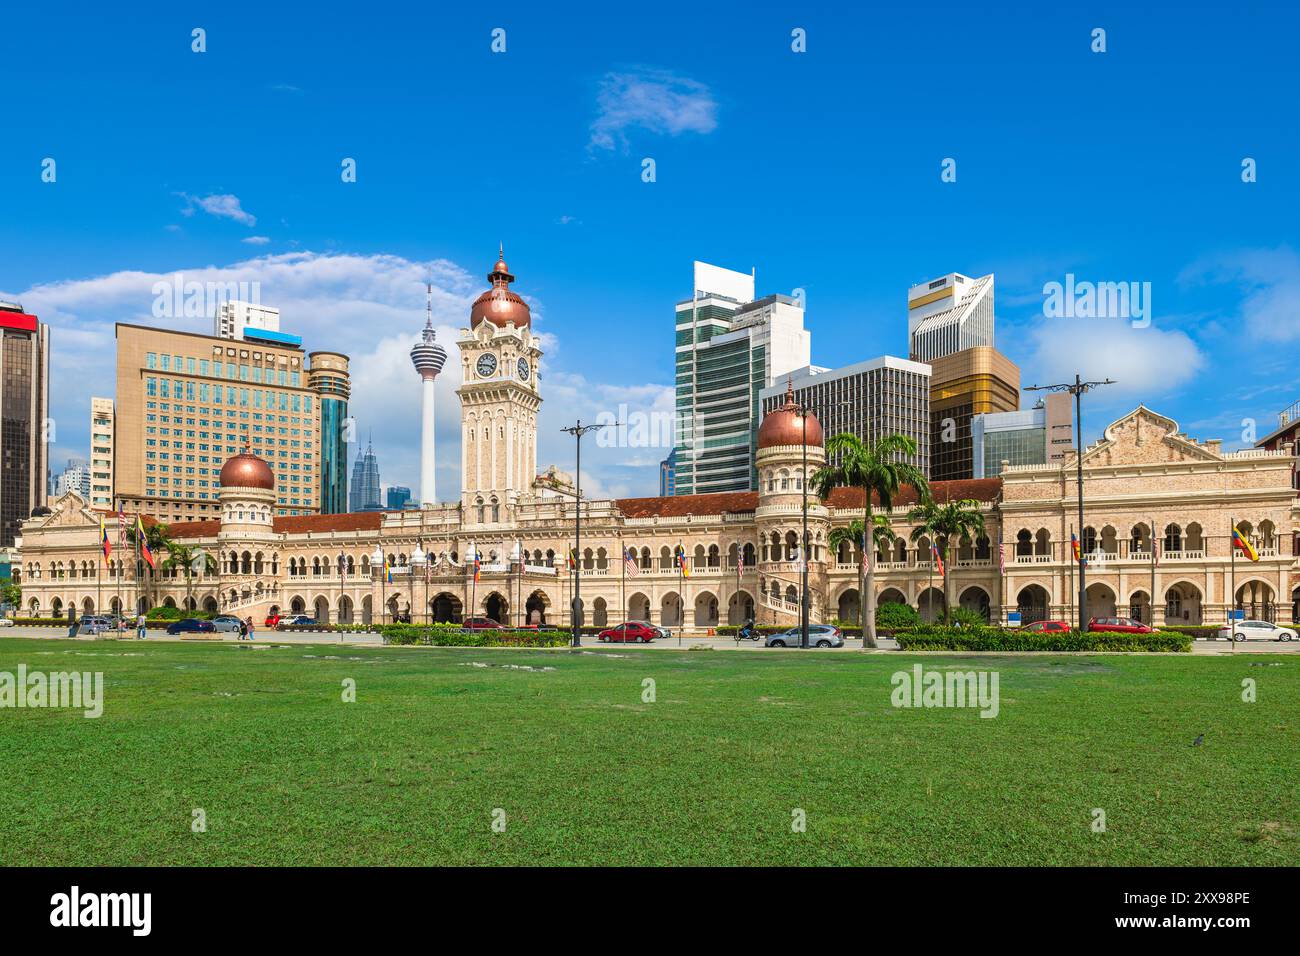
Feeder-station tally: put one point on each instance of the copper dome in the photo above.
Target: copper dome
(498, 304)
(785, 425)
(246, 470)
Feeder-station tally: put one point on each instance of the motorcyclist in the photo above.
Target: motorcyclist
(747, 632)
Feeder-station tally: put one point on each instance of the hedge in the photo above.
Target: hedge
(998, 639)
(453, 636)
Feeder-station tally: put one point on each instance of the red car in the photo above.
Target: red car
(479, 624)
(1047, 627)
(630, 633)
(272, 620)
(1118, 625)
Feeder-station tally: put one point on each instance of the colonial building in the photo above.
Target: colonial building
(1159, 506)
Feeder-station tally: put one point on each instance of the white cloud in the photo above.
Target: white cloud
(223, 206)
(1269, 283)
(1145, 363)
(655, 100)
(368, 307)
(256, 240)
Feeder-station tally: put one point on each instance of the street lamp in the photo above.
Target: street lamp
(804, 601)
(577, 430)
(1077, 388)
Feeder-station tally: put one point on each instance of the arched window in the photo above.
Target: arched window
(482, 513)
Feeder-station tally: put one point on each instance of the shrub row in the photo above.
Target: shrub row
(1000, 639)
(452, 636)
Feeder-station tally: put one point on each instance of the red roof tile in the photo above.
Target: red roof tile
(678, 506)
(980, 489)
(285, 524)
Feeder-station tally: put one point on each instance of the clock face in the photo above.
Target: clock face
(523, 370)
(487, 365)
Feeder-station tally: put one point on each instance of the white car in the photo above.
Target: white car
(6, 622)
(1261, 630)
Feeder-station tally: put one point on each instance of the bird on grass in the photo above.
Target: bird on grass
(1200, 739)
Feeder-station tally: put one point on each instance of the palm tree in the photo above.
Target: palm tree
(950, 521)
(854, 534)
(159, 540)
(877, 468)
(183, 557)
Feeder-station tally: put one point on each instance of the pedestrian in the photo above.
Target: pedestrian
(249, 624)
(243, 629)
(72, 621)
(140, 624)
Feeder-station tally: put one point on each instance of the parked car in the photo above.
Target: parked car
(227, 623)
(273, 619)
(630, 632)
(819, 635)
(191, 625)
(297, 620)
(1047, 627)
(1118, 625)
(94, 624)
(479, 624)
(6, 622)
(1256, 630)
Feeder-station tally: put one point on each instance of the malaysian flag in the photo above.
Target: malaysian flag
(629, 562)
(938, 559)
(866, 557)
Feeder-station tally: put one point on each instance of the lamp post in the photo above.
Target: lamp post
(804, 598)
(343, 579)
(577, 430)
(377, 561)
(1077, 388)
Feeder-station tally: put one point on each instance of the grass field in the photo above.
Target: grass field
(587, 773)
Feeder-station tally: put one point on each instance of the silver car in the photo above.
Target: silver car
(1257, 630)
(819, 635)
(228, 623)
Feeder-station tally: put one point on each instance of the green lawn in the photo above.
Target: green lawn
(589, 774)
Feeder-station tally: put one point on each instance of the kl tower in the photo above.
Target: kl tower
(428, 357)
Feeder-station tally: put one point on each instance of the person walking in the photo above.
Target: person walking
(72, 621)
(249, 625)
(140, 624)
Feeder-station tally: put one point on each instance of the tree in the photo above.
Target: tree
(158, 537)
(853, 534)
(183, 557)
(942, 523)
(878, 469)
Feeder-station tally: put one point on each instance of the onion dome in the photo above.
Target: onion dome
(785, 425)
(246, 470)
(498, 304)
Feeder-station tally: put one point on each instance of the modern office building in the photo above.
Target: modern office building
(187, 402)
(24, 414)
(971, 382)
(328, 378)
(101, 453)
(948, 315)
(364, 494)
(668, 475)
(239, 320)
(882, 396)
(1034, 436)
(398, 497)
(729, 347)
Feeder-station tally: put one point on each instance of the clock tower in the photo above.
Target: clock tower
(498, 402)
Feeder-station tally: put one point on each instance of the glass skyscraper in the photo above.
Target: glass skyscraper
(365, 483)
(329, 377)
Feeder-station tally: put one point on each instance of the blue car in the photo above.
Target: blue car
(191, 625)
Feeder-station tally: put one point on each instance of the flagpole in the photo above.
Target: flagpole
(1072, 617)
(929, 584)
(1232, 588)
(623, 549)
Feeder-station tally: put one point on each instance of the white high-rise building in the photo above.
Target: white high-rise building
(948, 315)
(101, 453)
(234, 317)
(428, 357)
(729, 347)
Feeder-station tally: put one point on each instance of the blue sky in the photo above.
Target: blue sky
(821, 170)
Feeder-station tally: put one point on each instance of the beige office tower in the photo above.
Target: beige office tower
(186, 403)
(101, 453)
